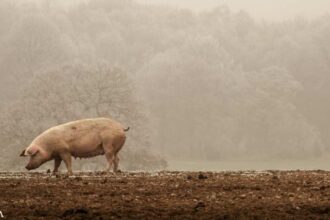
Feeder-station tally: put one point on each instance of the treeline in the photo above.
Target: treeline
(212, 85)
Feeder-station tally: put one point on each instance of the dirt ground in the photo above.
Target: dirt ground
(167, 195)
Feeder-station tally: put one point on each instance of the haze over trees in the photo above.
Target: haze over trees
(214, 85)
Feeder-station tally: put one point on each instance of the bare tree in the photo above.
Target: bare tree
(81, 91)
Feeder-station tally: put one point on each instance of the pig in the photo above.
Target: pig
(83, 138)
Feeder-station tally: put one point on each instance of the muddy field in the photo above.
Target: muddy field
(167, 195)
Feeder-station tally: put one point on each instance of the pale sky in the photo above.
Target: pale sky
(273, 10)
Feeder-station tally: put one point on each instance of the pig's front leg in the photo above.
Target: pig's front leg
(66, 157)
(57, 163)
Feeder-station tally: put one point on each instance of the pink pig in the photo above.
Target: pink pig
(83, 138)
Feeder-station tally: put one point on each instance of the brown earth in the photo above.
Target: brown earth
(167, 195)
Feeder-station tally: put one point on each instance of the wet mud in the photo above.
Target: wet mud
(166, 195)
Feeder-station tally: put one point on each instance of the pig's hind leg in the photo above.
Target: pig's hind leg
(116, 158)
(110, 158)
(109, 153)
(115, 163)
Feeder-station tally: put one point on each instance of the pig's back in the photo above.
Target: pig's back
(85, 131)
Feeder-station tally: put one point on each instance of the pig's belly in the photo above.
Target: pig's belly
(87, 148)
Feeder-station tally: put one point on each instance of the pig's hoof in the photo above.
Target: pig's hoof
(104, 172)
(115, 172)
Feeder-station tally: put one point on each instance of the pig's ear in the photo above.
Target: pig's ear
(22, 154)
(30, 151)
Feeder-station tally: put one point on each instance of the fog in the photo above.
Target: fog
(259, 9)
(204, 85)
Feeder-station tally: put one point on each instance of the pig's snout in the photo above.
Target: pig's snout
(28, 167)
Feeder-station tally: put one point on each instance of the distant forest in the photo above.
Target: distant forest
(213, 85)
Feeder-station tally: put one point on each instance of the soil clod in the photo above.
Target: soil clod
(167, 195)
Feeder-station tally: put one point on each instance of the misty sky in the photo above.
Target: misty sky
(196, 86)
(260, 9)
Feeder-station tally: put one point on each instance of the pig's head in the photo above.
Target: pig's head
(38, 156)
